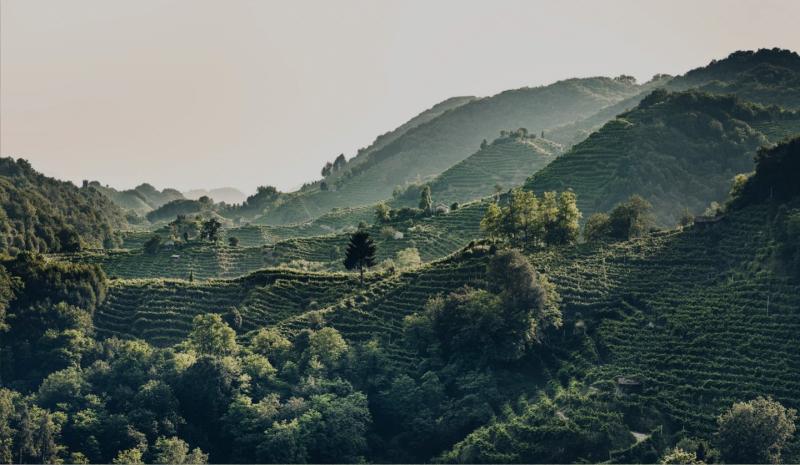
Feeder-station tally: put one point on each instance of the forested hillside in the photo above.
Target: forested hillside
(141, 199)
(42, 214)
(766, 76)
(436, 145)
(680, 151)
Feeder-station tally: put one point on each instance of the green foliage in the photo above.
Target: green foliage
(175, 451)
(212, 336)
(528, 221)
(775, 177)
(480, 325)
(210, 230)
(755, 431)
(42, 214)
(627, 220)
(408, 258)
(567, 427)
(680, 456)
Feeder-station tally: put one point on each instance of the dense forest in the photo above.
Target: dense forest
(592, 271)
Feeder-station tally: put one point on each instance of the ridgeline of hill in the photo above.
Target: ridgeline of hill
(43, 214)
(678, 150)
(229, 195)
(432, 147)
(141, 199)
(765, 76)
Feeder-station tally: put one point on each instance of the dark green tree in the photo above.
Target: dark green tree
(210, 230)
(360, 253)
(755, 431)
(152, 245)
(425, 200)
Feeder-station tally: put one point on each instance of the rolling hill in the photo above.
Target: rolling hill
(678, 150)
(434, 146)
(668, 329)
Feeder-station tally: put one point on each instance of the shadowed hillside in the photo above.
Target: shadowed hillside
(678, 150)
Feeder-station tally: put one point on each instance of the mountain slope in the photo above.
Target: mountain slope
(678, 150)
(432, 147)
(44, 214)
(506, 162)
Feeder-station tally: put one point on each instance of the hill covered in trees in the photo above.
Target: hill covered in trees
(765, 76)
(680, 151)
(43, 214)
(141, 199)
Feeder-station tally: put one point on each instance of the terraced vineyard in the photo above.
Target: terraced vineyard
(434, 237)
(161, 311)
(698, 317)
(506, 162)
(679, 151)
(202, 261)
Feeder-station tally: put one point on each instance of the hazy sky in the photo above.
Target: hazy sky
(194, 93)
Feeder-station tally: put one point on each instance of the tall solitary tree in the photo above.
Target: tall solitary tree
(426, 200)
(360, 253)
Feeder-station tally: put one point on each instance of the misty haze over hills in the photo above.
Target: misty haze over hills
(586, 270)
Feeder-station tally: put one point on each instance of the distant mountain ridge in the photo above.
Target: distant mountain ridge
(229, 195)
(141, 199)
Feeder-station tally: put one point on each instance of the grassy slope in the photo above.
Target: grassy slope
(678, 151)
(506, 162)
(431, 148)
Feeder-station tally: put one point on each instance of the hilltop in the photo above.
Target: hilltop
(765, 76)
(434, 146)
(141, 199)
(678, 150)
(43, 214)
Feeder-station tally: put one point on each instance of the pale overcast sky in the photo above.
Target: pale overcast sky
(208, 93)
